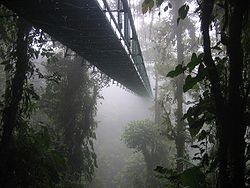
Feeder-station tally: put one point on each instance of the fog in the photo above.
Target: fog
(117, 108)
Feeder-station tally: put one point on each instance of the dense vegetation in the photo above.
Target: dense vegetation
(48, 104)
(218, 79)
(198, 54)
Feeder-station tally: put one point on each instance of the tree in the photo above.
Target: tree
(70, 105)
(222, 72)
(144, 137)
(230, 106)
(133, 173)
(172, 46)
(21, 145)
(34, 152)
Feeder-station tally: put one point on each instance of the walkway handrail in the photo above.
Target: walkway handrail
(146, 80)
(131, 45)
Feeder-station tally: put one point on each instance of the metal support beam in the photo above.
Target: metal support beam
(119, 17)
(126, 27)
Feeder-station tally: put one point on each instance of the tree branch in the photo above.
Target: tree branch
(206, 14)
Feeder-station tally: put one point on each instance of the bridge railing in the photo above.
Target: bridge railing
(120, 18)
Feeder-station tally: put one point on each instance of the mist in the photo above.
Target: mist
(117, 108)
(74, 76)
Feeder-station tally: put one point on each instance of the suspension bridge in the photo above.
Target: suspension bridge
(104, 36)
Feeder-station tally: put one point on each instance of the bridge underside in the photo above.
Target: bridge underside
(82, 26)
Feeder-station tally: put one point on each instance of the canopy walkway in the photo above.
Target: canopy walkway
(105, 37)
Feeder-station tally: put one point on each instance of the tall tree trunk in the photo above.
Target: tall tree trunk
(179, 140)
(150, 179)
(216, 91)
(71, 93)
(236, 108)
(229, 111)
(157, 105)
(11, 110)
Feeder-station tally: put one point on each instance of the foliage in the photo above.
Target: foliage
(196, 63)
(147, 5)
(34, 161)
(34, 149)
(140, 133)
(144, 136)
(133, 173)
(222, 81)
(182, 12)
(220, 75)
(70, 106)
(175, 44)
(28, 156)
(192, 177)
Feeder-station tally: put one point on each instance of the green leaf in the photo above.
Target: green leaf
(147, 5)
(182, 12)
(165, 173)
(202, 72)
(179, 69)
(195, 127)
(194, 62)
(161, 169)
(202, 135)
(189, 83)
(193, 178)
(221, 61)
(200, 56)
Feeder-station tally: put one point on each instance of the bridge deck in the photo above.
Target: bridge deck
(82, 26)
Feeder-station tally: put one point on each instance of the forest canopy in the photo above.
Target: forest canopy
(219, 73)
(197, 53)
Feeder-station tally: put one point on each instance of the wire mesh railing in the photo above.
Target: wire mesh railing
(119, 15)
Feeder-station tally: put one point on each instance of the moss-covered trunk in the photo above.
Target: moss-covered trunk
(13, 96)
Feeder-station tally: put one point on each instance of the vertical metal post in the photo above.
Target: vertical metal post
(119, 8)
(129, 34)
(126, 21)
(126, 25)
(133, 47)
(136, 53)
